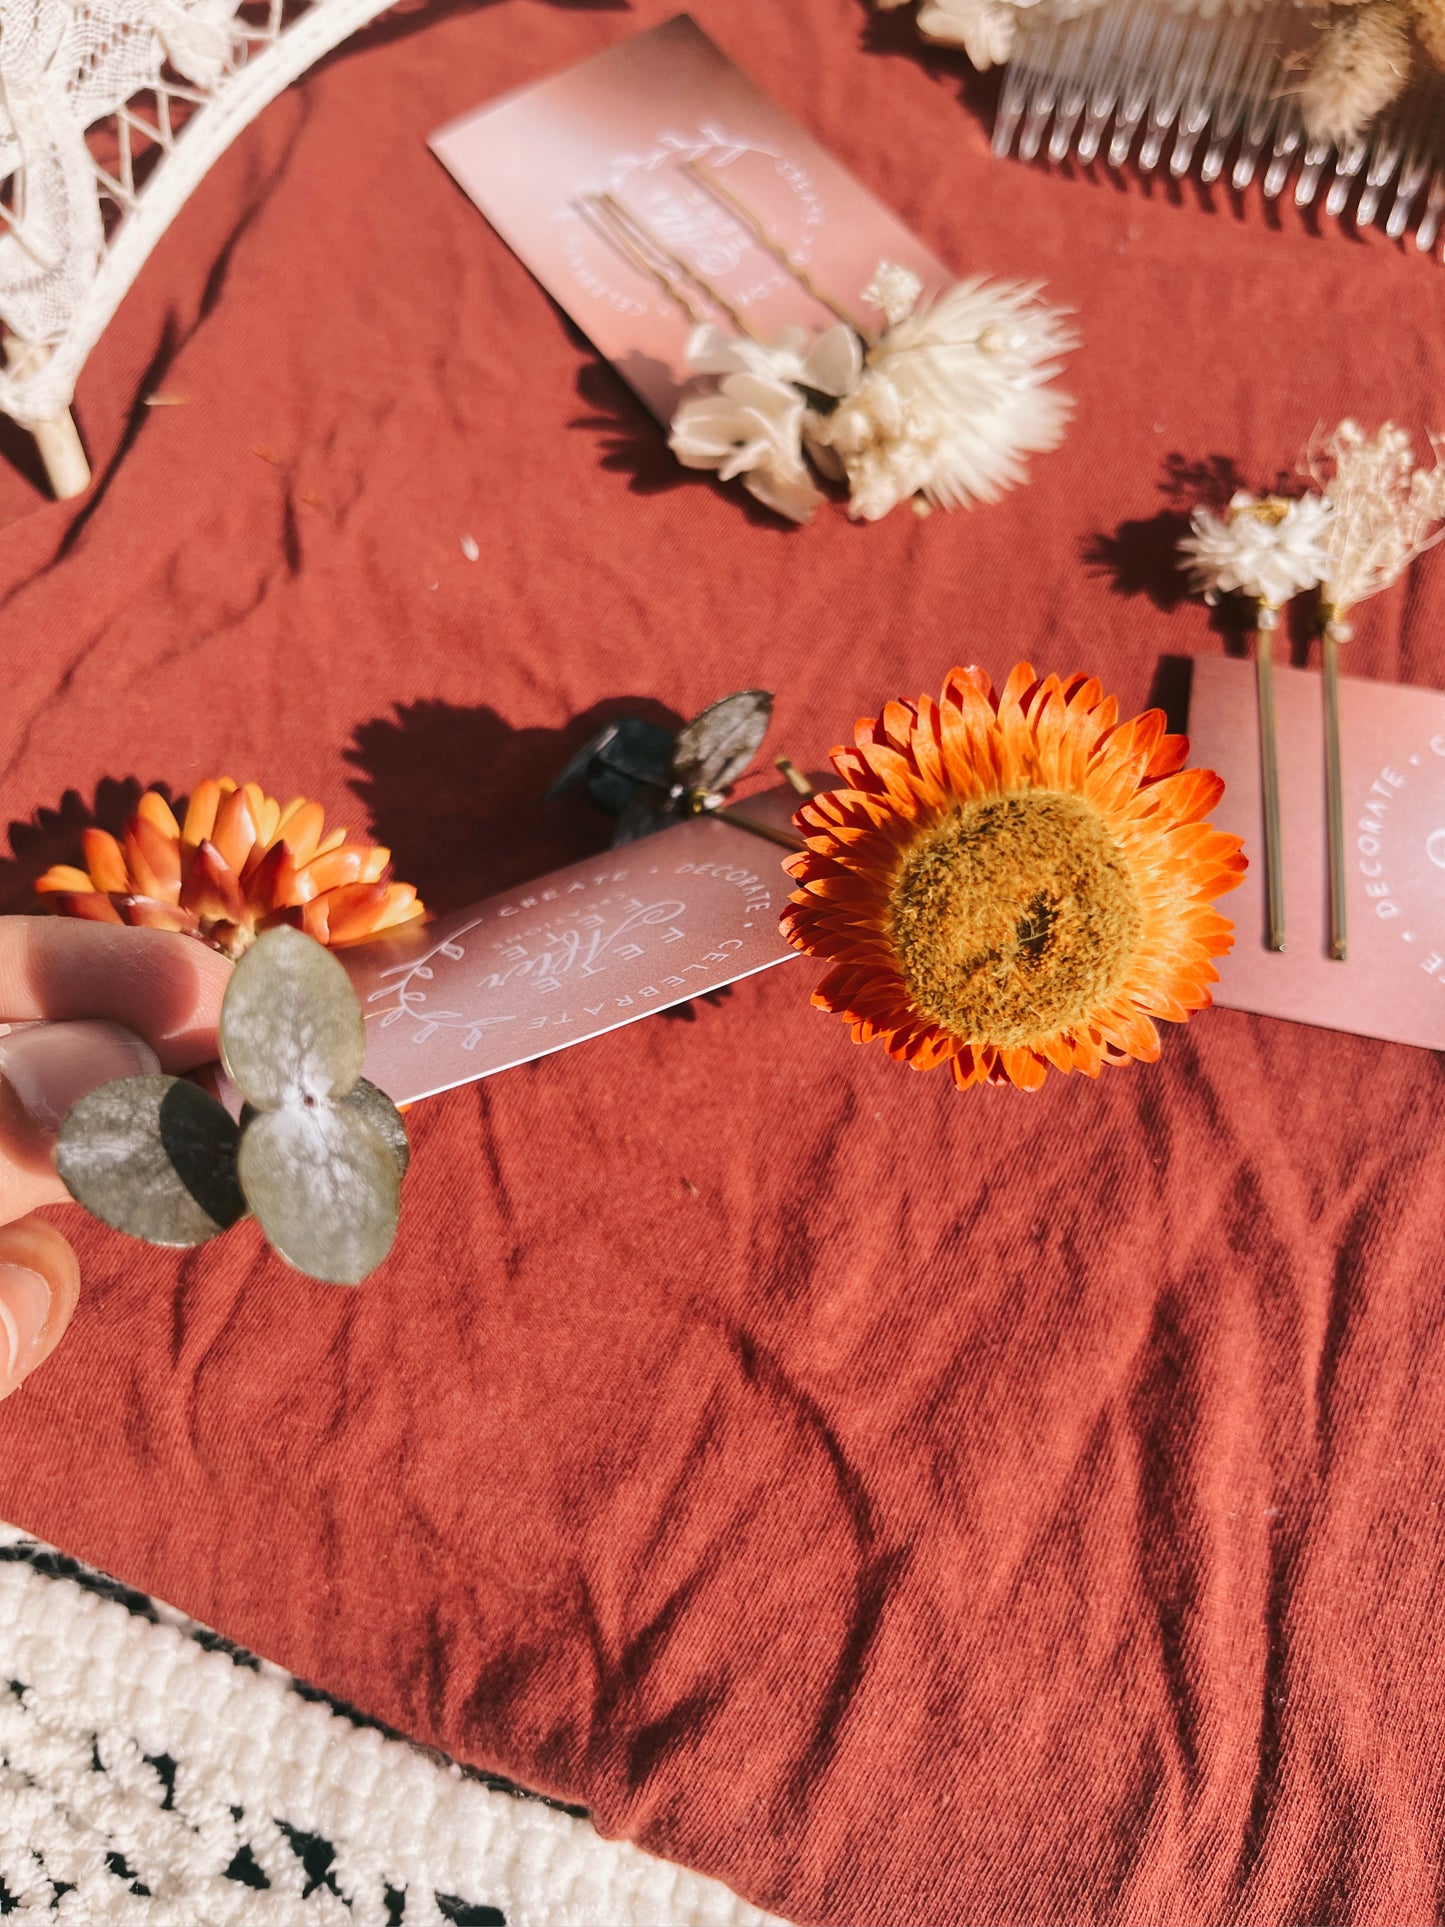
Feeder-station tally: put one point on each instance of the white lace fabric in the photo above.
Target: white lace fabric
(87, 87)
(144, 1765)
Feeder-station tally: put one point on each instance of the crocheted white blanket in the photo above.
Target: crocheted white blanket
(152, 1773)
(111, 112)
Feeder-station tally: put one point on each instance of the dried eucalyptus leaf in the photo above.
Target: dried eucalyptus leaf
(377, 1108)
(717, 746)
(322, 1184)
(291, 1026)
(153, 1156)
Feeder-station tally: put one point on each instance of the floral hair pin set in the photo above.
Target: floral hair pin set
(1367, 510)
(781, 324)
(936, 399)
(996, 882)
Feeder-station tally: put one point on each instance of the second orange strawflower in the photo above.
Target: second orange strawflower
(237, 865)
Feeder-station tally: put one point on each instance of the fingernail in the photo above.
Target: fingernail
(44, 1069)
(24, 1308)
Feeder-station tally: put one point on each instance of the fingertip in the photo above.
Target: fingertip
(165, 987)
(39, 1289)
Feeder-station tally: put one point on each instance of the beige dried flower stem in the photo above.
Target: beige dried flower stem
(1332, 633)
(1266, 621)
(638, 244)
(593, 211)
(707, 180)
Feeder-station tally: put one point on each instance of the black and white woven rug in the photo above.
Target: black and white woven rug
(150, 1772)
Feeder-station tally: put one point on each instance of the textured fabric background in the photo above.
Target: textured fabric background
(909, 1507)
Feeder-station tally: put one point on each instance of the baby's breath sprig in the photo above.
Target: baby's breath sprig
(1265, 549)
(1385, 511)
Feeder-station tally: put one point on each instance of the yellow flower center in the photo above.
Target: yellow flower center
(1014, 917)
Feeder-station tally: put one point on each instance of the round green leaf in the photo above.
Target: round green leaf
(374, 1105)
(291, 1027)
(152, 1156)
(322, 1183)
(377, 1108)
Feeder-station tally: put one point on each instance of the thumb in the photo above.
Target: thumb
(39, 1285)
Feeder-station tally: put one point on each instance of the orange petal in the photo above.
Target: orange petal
(315, 919)
(153, 859)
(266, 822)
(352, 911)
(234, 836)
(296, 803)
(63, 876)
(211, 891)
(155, 809)
(201, 813)
(349, 864)
(402, 906)
(271, 883)
(92, 905)
(149, 913)
(303, 831)
(105, 862)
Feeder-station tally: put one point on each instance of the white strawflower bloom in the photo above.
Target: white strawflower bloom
(893, 289)
(751, 425)
(985, 29)
(1266, 548)
(1359, 64)
(952, 398)
(830, 362)
(1386, 509)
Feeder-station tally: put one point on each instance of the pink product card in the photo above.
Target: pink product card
(581, 951)
(1393, 753)
(650, 123)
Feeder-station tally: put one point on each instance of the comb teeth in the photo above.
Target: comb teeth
(1148, 81)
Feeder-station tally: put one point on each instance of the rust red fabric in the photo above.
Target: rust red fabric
(910, 1507)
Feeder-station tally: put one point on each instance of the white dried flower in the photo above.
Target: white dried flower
(985, 29)
(951, 400)
(751, 425)
(1266, 548)
(895, 290)
(1387, 510)
(1359, 64)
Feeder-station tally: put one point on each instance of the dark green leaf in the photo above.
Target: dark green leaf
(717, 746)
(291, 1027)
(323, 1185)
(152, 1156)
(627, 755)
(648, 811)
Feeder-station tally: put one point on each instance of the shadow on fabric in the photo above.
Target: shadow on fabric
(54, 836)
(454, 793)
(634, 443)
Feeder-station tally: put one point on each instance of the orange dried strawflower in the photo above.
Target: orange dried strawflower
(240, 864)
(1013, 882)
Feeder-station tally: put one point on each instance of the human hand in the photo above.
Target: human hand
(117, 1003)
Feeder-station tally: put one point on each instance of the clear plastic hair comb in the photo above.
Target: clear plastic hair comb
(1215, 95)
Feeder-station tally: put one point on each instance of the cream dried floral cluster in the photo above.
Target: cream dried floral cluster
(1363, 60)
(1371, 510)
(1359, 62)
(943, 406)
